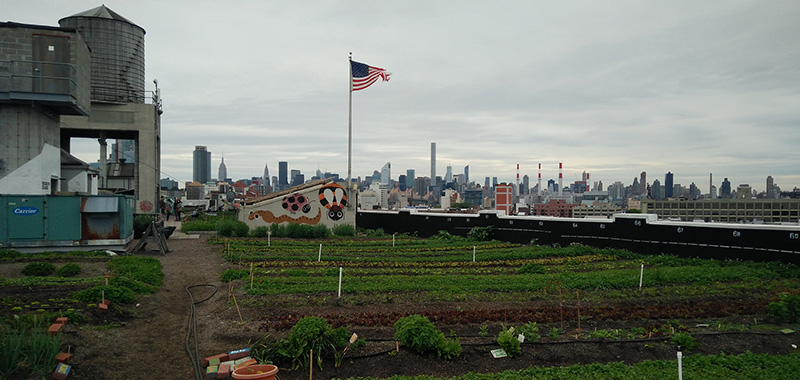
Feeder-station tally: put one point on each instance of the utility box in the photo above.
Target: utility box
(35, 223)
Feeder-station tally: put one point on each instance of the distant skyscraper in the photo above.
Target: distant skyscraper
(668, 185)
(201, 164)
(466, 174)
(711, 185)
(298, 178)
(293, 177)
(655, 190)
(643, 182)
(433, 161)
(283, 174)
(223, 171)
(448, 175)
(123, 151)
(386, 173)
(725, 189)
(770, 187)
(402, 182)
(410, 173)
(526, 184)
(266, 175)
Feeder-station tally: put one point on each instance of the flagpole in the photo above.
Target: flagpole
(350, 134)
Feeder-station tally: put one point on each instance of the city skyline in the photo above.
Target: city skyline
(667, 180)
(612, 88)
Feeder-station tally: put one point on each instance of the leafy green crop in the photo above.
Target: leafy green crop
(68, 270)
(419, 334)
(508, 341)
(39, 269)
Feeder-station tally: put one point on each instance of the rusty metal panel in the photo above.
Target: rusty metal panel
(99, 226)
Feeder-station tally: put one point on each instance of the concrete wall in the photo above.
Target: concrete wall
(139, 122)
(78, 180)
(35, 175)
(24, 132)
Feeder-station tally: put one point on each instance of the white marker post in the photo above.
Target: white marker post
(340, 282)
(392, 240)
(320, 253)
(641, 276)
(680, 366)
(269, 238)
(473, 253)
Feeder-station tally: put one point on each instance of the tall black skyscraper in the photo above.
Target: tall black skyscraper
(201, 164)
(283, 173)
(668, 185)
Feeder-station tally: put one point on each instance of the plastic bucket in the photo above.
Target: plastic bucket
(256, 372)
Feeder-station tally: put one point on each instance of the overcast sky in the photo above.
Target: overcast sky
(612, 88)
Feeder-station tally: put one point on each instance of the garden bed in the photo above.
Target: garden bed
(385, 279)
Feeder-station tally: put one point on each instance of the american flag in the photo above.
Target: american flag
(365, 75)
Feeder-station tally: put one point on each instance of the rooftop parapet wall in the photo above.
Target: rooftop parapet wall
(642, 233)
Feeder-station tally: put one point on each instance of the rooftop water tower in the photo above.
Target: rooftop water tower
(117, 47)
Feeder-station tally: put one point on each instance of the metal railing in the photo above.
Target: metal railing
(38, 77)
(117, 94)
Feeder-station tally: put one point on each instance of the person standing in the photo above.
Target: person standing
(168, 209)
(177, 208)
(162, 205)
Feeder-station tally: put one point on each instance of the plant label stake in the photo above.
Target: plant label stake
(641, 276)
(340, 282)
(237, 308)
(392, 240)
(680, 366)
(311, 365)
(352, 340)
(320, 253)
(578, 295)
(269, 238)
(473, 253)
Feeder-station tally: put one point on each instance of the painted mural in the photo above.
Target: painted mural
(269, 217)
(296, 202)
(324, 203)
(333, 197)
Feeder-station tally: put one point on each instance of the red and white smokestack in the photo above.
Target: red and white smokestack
(560, 187)
(587, 181)
(539, 187)
(517, 180)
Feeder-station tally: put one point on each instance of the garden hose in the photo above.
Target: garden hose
(494, 343)
(191, 330)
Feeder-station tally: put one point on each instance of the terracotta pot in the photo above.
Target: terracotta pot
(256, 372)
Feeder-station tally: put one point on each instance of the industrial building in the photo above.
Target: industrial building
(81, 79)
(726, 210)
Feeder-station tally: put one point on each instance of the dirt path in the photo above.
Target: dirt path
(152, 338)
